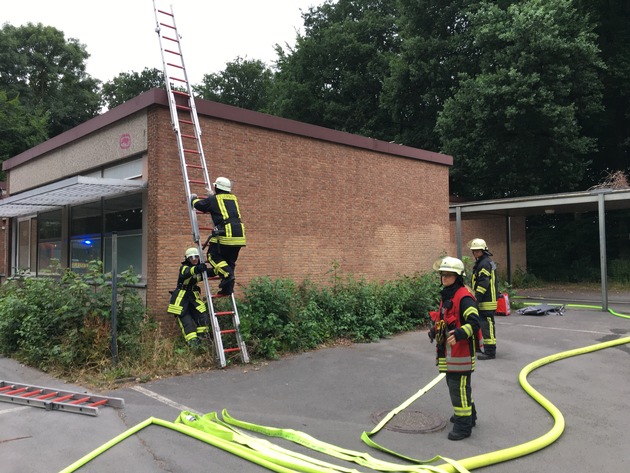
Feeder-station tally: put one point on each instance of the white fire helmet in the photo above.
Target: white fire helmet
(449, 264)
(223, 183)
(478, 244)
(192, 252)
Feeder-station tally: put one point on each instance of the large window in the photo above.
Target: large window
(123, 215)
(86, 224)
(91, 229)
(27, 246)
(49, 242)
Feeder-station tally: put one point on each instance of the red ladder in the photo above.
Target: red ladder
(55, 399)
(185, 123)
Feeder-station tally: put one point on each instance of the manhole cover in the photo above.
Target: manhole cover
(412, 422)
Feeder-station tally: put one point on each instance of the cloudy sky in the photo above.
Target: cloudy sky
(120, 34)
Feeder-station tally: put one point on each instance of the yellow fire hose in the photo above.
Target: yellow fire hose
(212, 430)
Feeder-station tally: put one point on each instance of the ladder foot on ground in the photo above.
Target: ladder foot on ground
(194, 170)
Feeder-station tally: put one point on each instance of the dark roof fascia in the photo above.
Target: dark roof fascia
(225, 112)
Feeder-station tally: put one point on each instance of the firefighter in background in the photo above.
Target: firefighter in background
(186, 303)
(228, 236)
(454, 327)
(486, 288)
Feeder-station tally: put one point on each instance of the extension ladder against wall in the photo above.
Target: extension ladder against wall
(193, 163)
(55, 399)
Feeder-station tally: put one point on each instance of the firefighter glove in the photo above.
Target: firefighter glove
(431, 334)
(200, 268)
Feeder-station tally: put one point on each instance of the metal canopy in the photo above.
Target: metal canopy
(72, 191)
(571, 202)
(598, 200)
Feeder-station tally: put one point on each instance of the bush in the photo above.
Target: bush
(65, 324)
(278, 316)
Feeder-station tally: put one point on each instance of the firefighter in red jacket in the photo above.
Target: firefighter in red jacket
(454, 328)
(228, 236)
(186, 303)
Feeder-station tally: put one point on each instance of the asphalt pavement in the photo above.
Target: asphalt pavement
(334, 393)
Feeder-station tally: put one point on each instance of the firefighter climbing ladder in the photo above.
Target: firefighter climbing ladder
(55, 399)
(188, 131)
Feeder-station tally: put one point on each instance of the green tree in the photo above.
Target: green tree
(20, 129)
(611, 18)
(424, 74)
(47, 72)
(128, 85)
(244, 83)
(516, 127)
(334, 75)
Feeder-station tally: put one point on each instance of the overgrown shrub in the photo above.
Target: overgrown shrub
(66, 323)
(279, 316)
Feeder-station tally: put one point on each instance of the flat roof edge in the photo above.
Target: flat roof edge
(218, 110)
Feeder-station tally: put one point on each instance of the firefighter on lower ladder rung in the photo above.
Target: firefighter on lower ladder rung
(228, 235)
(186, 303)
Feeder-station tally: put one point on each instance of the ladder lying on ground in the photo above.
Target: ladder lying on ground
(55, 399)
(188, 131)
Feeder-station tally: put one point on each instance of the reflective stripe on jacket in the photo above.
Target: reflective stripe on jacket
(226, 218)
(187, 292)
(485, 284)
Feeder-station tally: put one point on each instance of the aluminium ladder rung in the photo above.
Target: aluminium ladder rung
(55, 399)
(179, 112)
(225, 312)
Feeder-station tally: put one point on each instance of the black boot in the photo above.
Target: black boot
(227, 286)
(455, 435)
(473, 422)
(486, 356)
(462, 428)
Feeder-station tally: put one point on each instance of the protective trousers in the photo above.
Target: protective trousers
(486, 317)
(460, 391)
(223, 260)
(194, 324)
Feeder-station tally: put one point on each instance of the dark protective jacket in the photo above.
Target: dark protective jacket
(187, 293)
(485, 284)
(459, 312)
(226, 218)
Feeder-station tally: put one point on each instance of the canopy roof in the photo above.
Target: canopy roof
(71, 191)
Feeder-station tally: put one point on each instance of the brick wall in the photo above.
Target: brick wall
(305, 203)
(493, 231)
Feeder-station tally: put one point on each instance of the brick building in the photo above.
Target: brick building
(310, 197)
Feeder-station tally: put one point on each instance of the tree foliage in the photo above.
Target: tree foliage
(611, 18)
(529, 96)
(47, 73)
(243, 83)
(128, 85)
(518, 122)
(20, 129)
(334, 75)
(424, 74)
